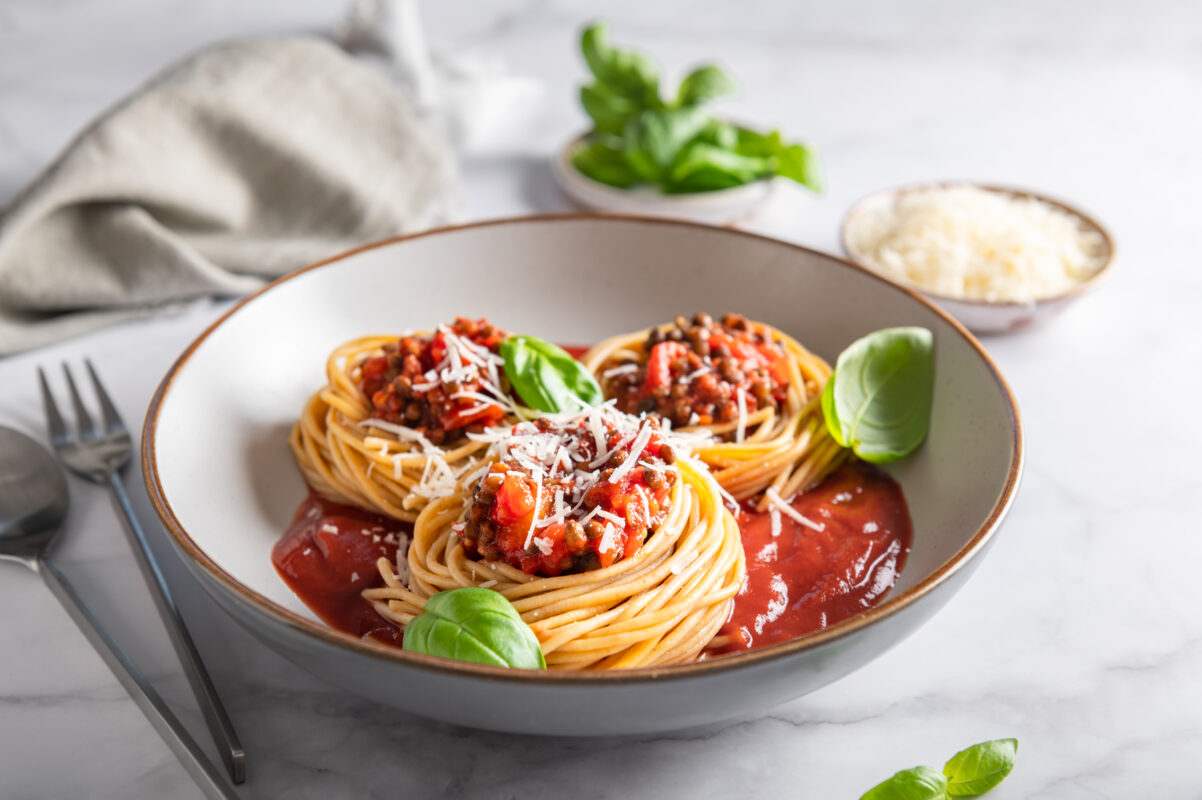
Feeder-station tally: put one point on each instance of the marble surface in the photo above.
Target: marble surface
(1081, 634)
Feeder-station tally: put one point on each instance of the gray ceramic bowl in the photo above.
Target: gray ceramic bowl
(222, 478)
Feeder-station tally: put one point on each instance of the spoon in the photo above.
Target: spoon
(33, 504)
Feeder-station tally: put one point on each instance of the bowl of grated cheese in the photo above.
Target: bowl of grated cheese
(996, 258)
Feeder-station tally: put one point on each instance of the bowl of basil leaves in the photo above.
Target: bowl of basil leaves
(656, 152)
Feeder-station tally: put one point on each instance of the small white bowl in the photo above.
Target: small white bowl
(719, 207)
(980, 316)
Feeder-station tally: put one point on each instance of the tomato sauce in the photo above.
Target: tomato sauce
(328, 557)
(803, 580)
(576, 351)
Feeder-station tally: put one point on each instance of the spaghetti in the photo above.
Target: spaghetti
(666, 571)
(754, 388)
(389, 431)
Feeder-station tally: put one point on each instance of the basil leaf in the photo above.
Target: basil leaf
(797, 162)
(624, 102)
(977, 769)
(477, 625)
(609, 110)
(546, 377)
(705, 179)
(603, 162)
(719, 133)
(919, 783)
(703, 84)
(653, 139)
(710, 162)
(626, 73)
(830, 413)
(880, 400)
(751, 143)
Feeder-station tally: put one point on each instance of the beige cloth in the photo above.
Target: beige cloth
(245, 161)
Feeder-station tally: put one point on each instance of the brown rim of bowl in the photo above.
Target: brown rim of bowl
(858, 208)
(302, 625)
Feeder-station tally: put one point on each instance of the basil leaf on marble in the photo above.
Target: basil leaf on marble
(878, 400)
(977, 769)
(546, 377)
(918, 783)
(476, 625)
(971, 772)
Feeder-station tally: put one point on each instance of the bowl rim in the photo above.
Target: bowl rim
(859, 207)
(298, 624)
(566, 172)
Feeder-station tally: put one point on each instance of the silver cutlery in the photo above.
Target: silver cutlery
(33, 503)
(98, 454)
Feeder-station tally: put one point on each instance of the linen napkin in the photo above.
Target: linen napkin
(243, 162)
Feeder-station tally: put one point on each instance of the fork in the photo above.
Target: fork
(99, 455)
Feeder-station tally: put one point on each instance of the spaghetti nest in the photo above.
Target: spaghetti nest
(782, 448)
(662, 605)
(349, 457)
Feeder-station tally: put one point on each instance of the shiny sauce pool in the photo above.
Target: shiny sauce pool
(328, 557)
(803, 580)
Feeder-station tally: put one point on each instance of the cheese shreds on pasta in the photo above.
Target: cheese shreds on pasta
(974, 244)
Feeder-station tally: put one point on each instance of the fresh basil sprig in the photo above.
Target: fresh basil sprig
(916, 783)
(640, 138)
(977, 769)
(970, 773)
(477, 625)
(546, 377)
(878, 400)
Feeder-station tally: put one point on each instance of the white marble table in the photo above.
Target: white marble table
(1081, 634)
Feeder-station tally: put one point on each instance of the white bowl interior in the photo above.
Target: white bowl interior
(227, 474)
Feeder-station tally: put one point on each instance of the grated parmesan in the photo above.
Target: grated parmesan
(538, 500)
(621, 369)
(777, 502)
(636, 452)
(971, 243)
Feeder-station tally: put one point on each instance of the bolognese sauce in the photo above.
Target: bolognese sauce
(703, 372)
(568, 500)
(441, 383)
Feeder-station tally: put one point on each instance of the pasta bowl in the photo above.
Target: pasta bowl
(222, 478)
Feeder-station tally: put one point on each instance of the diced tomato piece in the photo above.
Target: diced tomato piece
(438, 348)
(659, 364)
(777, 364)
(374, 368)
(457, 418)
(514, 500)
